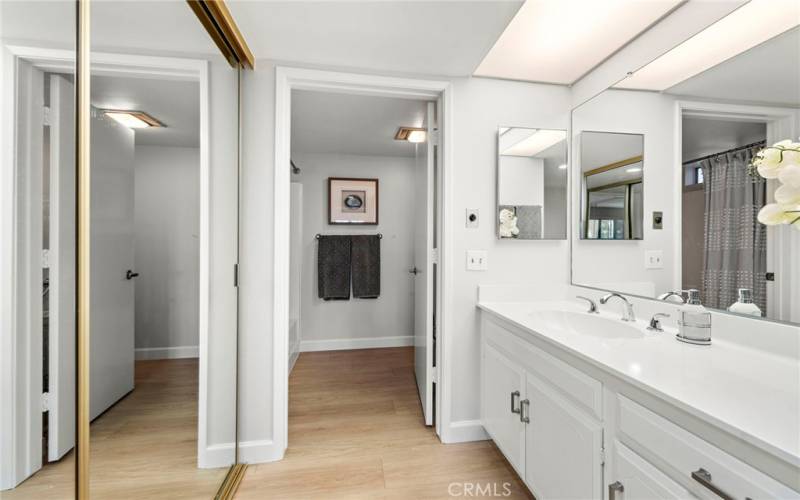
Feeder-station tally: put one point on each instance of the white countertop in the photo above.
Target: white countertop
(751, 394)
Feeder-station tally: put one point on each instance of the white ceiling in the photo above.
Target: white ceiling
(558, 41)
(768, 73)
(603, 148)
(703, 136)
(174, 103)
(352, 124)
(437, 38)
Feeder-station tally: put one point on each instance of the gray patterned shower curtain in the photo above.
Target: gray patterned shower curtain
(735, 242)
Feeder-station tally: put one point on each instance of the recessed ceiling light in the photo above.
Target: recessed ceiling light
(559, 41)
(563, 166)
(536, 143)
(410, 134)
(634, 169)
(748, 26)
(133, 119)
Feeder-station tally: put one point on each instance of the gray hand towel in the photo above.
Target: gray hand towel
(333, 267)
(366, 266)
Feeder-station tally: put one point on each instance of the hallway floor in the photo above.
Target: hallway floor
(356, 431)
(145, 446)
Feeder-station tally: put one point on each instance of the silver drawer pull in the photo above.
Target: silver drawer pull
(524, 415)
(703, 477)
(514, 407)
(613, 488)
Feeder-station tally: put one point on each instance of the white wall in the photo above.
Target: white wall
(521, 180)
(295, 272)
(387, 320)
(622, 262)
(167, 216)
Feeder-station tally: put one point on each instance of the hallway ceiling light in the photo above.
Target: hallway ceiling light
(133, 119)
(558, 41)
(410, 134)
(749, 25)
(633, 170)
(536, 143)
(563, 166)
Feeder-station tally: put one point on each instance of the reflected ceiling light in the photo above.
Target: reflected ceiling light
(411, 134)
(563, 166)
(749, 25)
(558, 41)
(536, 143)
(634, 169)
(133, 119)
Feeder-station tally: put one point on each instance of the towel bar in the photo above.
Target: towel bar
(379, 235)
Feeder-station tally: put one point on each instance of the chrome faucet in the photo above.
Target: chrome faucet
(592, 305)
(655, 322)
(627, 314)
(665, 296)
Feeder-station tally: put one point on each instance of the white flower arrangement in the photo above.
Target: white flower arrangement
(781, 161)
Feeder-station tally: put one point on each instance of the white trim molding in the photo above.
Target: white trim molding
(174, 352)
(287, 79)
(463, 431)
(362, 343)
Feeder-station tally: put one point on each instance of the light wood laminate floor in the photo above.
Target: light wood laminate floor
(145, 446)
(356, 431)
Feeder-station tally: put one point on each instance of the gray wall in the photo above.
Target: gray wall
(167, 251)
(389, 317)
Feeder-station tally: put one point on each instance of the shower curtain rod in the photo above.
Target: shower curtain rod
(747, 146)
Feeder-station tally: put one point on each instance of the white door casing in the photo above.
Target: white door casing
(423, 268)
(61, 358)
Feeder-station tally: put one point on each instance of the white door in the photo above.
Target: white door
(112, 294)
(61, 348)
(562, 446)
(502, 390)
(423, 269)
(636, 479)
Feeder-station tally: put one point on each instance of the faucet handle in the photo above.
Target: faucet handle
(592, 305)
(655, 322)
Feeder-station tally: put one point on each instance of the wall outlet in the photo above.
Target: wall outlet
(654, 259)
(477, 260)
(472, 218)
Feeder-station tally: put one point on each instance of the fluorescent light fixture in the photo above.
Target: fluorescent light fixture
(634, 169)
(749, 25)
(536, 143)
(559, 41)
(133, 119)
(563, 166)
(411, 134)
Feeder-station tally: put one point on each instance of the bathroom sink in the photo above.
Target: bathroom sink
(587, 324)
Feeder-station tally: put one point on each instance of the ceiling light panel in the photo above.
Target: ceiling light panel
(750, 25)
(133, 119)
(535, 143)
(558, 41)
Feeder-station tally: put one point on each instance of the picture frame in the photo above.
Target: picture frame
(353, 201)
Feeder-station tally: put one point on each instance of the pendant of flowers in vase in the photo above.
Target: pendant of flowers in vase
(780, 161)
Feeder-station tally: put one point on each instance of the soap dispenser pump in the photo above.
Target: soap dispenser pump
(694, 325)
(744, 304)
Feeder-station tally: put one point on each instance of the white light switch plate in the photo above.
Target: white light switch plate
(477, 260)
(654, 259)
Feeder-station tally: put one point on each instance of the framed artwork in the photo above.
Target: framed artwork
(352, 201)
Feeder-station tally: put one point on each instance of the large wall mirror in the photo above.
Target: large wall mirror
(708, 197)
(531, 184)
(613, 185)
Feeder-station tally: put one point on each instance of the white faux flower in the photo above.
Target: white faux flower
(788, 195)
(773, 214)
(790, 175)
(769, 161)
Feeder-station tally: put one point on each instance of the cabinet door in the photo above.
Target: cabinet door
(501, 378)
(636, 479)
(563, 446)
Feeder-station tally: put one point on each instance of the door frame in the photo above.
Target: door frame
(14, 461)
(291, 78)
(782, 123)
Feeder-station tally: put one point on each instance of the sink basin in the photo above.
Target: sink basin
(587, 324)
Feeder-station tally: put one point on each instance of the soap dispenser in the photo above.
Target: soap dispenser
(694, 325)
(744, 304)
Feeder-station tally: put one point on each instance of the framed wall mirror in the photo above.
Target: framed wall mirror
(718, 215)
(612, 166)
(531, 184)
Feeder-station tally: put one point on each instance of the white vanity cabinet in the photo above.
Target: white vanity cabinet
(570, 435)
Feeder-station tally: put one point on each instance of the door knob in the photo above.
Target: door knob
(414, 271)
(129, 274)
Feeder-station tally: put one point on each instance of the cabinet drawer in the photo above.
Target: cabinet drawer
(637, 479)
(576, 385)
(684, 453)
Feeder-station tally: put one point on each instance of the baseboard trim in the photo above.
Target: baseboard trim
(364, 343)
(250, 452)
(464, 431)
(177, 352)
